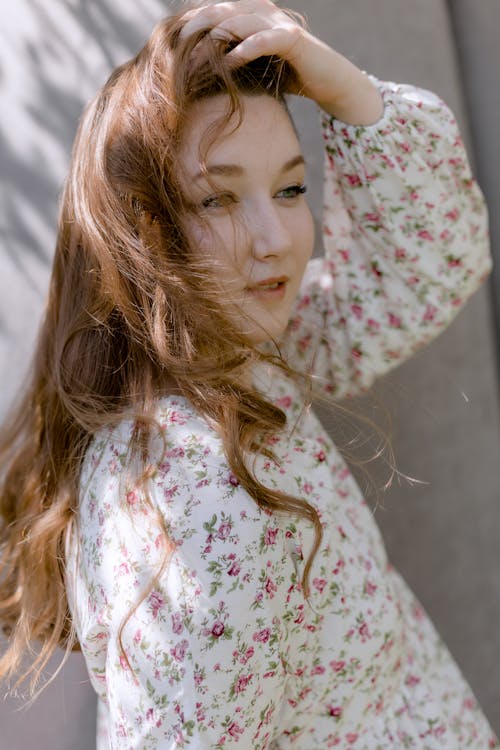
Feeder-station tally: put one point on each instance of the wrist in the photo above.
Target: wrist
(359, 103)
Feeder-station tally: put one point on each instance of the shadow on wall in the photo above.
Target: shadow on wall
(53, 58)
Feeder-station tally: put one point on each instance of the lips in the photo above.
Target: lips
(271, 290)
(272, 283)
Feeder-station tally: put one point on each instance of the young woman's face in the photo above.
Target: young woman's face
(250, 216)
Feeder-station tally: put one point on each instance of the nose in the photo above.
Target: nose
(268, 231)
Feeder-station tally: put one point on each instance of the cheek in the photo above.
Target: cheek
(222, 243)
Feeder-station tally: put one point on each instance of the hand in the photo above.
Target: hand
(324, 75)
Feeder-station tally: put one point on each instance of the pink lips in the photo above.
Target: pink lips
(272, 288)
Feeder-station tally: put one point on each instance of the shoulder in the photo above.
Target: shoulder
(190, 485)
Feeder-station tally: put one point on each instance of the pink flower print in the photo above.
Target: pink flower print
(320, 456)
(179, 650)
(319, 584)
(304, 343)
(363, 631)
(234, 731)
(234, 480)
(177, 452)
(262, 636)
(124, 662)
(171, 491)
(373, 216)
(345, 255)
(357, 311)
(453, 262)
(270, 536)
(354, 180)
(242, 683)
(318, 669)
(373, 324)
(198, 678)
(271, 587)
(235, 569)
(394, 320)
(123, 568)
(430, 312)
(300, 614)
(400, 253)
(335, 711)
(176, 417)
(425, 235)
(137, 637)
(338, 567)
(224, 530)
(370, 588)
(445, 235)
(132, 497)
(177, 624)
(247, 655)
(337, 666)
(453, 215)
(217, 629)
(469, 704)
(356, 352)
(351, 737)
(412, 680)
(307, 487)
(156, 603)
(284, 402)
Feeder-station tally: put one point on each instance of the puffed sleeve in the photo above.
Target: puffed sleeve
(406, 243)
(200, 661)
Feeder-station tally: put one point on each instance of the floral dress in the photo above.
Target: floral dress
(224, 650)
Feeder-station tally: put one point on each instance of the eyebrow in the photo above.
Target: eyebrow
(235, 170)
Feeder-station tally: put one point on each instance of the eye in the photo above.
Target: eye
(220, 200)
(292, 191)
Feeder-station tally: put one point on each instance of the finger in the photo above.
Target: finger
(267, 42)
(239, 28)
(209, 16)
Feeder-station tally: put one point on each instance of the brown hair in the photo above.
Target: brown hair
(132, 313)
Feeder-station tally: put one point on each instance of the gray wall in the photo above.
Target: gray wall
(444, 403)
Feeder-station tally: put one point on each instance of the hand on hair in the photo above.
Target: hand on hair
(324, 75)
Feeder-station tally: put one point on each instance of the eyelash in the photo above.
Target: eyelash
(227, 198)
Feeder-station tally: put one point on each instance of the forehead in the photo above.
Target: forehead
(266, 134)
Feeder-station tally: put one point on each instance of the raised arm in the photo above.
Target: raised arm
(325, 76)
(406, 242)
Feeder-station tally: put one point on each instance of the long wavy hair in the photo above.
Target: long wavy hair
(132, 313)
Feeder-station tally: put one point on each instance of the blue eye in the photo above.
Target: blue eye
(221, 200)
(292, 191)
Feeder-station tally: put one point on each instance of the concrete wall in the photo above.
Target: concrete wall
(444, 403)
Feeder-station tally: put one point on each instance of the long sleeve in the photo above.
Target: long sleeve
(406, 243)
(200, 661)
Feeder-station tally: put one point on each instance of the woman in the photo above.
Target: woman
(165, 477)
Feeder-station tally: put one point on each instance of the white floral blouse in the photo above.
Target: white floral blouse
(226, 651)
